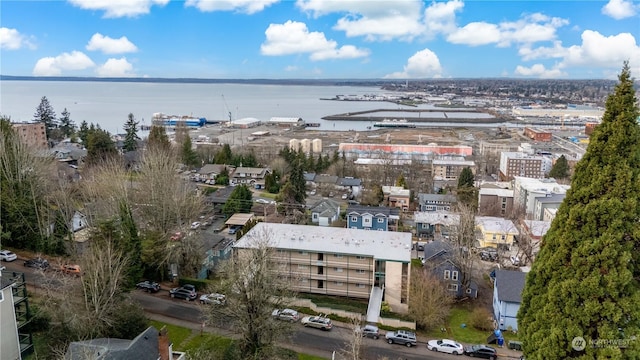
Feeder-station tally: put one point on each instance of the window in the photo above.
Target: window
(315, 216)
(1, 296)
(338, 256)
(360, 286)
(304, 281)
(303, 252)
(303, 267)
(503, 237)
(360, 271)
(424, 226)
(338, 269)
(366, 220)
(338, 283)
(468, 291)
(447, 274)
(494, 237)
(452, 287)
(380, 220)
(354, 219)
(454, 275)
(359, 257)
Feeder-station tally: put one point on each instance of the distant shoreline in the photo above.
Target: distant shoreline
(323, 82)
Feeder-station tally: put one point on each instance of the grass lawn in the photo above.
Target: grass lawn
(459, 315)
(177, 334)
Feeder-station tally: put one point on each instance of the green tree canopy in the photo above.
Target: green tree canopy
(158, 138)
(584, 281)
(560, 169)
(466, 178)
(100, 147)
(131, 129)
(67, 126)
(240, 201)
(188, 155)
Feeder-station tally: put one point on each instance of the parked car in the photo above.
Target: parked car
(286, 315)
(187, 292)
(6, 255)
(370, 331)
(71, 269)
(313, 192)
(262, 201)
(402, 337)
(234, 229)
(515, 260)
(481, 351)
(195, 225)
(446, 346)
(37, 263)
(319, 322)
(344, 196)
(488, 254)
(148, 286)
(213, 299)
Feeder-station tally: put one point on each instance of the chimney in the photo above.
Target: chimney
(164, 344)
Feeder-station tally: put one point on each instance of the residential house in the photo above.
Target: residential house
(151, 344)
(325, 184)
(549, 201)
(325, 212)
(355, 263)
(218, 198)
(308, 180)
(15, 343)
(441, 260)
(534, 230)
(495, 232)
(436, 202)
(372, 218)
(69, 153)
(249, 176)
(210, 172)
(216, 249)
(495, 201)
(397, 196)
(507, 296)
(350, 185)
(435, 224)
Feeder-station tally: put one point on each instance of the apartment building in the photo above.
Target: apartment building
(450, 168)
(397, 197)
(436, 202)
(32, 134)
(495, 201)
(526, 190)
(341, 262)
(521, 164)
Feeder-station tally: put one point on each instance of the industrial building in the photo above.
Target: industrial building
(286, 121)
(537, 134)
(244, 123)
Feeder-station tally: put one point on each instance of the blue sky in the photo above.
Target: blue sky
(318, 39)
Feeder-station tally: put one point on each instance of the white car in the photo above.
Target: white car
(344, 196)
(446, 346)
(195, 225)
(215, 299)
(262, 201)
(6, 255)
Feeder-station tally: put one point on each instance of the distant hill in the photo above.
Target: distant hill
(327, 82)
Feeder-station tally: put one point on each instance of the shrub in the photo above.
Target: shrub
(481, 319)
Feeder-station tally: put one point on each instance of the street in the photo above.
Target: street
(304, 339)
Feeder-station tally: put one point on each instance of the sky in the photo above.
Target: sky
(320, 39)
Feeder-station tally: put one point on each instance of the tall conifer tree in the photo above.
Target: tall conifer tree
(582, 297)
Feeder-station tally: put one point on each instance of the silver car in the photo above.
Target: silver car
(318, 322)
(286, 315)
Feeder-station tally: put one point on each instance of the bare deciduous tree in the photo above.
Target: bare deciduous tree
(354, 346)
(429, 301)
(254, 287)
(463, 238)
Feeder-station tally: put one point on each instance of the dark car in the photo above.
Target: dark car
(370, 331)
(481, 351)
(37, 263)
(148, 286)
(187, 292)
(488, 254)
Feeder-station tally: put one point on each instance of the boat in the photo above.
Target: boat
(160, 119)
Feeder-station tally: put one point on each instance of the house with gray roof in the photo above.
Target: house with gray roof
(440, 260)
(211, 171)
(435, 224)
(250, 176)
(324, 212)
(350, 184)
(151, 344)
(507, 296)
(436, 202)
(379, 218)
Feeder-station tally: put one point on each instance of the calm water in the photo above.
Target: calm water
(109, 103)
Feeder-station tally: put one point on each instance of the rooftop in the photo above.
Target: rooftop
(537, 228)
(454, 162)
(496, 192)
(396, 191)
(436, 217)
(393, 213)
(381, 245)
(239, 219)
(510, 284)
(496, 225)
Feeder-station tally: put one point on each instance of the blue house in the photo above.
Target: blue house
(216, 249)
(440, 260)
(507, 296)
(372, 218)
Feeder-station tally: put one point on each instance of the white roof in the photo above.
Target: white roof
(245, 121)
(454, 162)
(381, 245)
(496, 192)
(285, 119)
(396, 191)
(436, 217)
(365, 161)
(496, 225)
(537, 228)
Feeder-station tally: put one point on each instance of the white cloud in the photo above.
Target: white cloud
(51, 66)
(538, 70)
(244, 6)
(441, 17)
(620, 9)
(116, 68)
(423, 64)
(527, 30)
(598, 50)
(119, 8)
(527, 53)
(294, 38)
(109, 45)
(11, 39)
(291, 68)
(375, 20)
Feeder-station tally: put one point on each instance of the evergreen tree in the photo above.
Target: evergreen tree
(100, 147)
(67, 127)
(272, 182)
(158, 139)
(239, 201)
(224, 156)
(131, 138)
(189, 156)
(560, 169)
(466, 191)
(46, 115)
(584, 282)
(130, 243)
(223, 177)
(466, 178)
(401, 181)
(83, 133)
